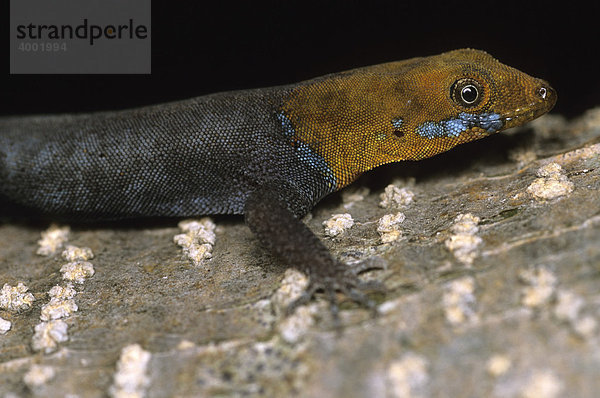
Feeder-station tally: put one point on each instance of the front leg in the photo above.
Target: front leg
(280, 230)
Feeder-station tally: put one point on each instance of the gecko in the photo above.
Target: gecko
(269, 154)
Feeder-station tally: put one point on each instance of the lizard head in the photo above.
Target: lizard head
(411, 110)
(461, 96)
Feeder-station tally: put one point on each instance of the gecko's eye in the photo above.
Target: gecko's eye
(466, 92)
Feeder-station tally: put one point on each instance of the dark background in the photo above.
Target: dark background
(199, 49)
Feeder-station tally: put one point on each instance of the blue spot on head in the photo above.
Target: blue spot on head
(454, 127)
(491, 122)
(431, 130)
(397, 123)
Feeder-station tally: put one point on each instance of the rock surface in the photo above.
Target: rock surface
(493, 274)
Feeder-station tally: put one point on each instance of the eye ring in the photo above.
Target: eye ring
(466, 92)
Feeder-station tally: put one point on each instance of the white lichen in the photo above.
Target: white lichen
(185, 345)
(131, 379)
(568, 308)
(459, 301)
(394, 196)
(4, 325)
(62, 292)
(542, 384)
(408, 377)
(57, 309)
(61, 303)
(74, 253)
(498, 365)
(77, 271)
(15, 298)
(568, 305)
(198, 239)
(38, 375)
(292, 286)
(541, 286)
(585, 326)
(463, 243)
(465, 224)
(337, 224)
(204, 229)
(295, 326)
(388, 227)
(52, 239)
(551, 183)
(48, 334)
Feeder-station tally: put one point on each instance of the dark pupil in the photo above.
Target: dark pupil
(469, 94)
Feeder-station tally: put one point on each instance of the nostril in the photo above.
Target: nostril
(545, 92)
(542, 92)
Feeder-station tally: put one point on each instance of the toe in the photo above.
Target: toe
(367, 264)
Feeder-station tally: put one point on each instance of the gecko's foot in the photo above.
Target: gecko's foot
(344, 279)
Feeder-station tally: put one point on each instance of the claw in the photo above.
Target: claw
(373, 286)
(333, 306)
(367, 264)
(303, 299)
(359, 297)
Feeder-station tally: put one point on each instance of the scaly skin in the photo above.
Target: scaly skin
(270, 154)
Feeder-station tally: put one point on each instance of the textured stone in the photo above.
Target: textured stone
(518, 319)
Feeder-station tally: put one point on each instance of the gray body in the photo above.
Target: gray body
(199, 156)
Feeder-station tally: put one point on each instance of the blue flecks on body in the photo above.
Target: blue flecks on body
(288, 128)
(490, 122)
(306, 154)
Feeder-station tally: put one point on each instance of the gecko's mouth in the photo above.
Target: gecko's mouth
(522, 116)
(545, 98)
